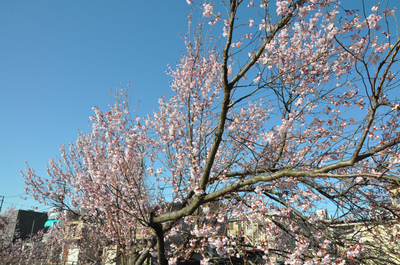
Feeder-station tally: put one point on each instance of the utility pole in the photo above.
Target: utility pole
(33, 225)
(1, 204)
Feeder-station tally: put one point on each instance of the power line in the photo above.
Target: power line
(13, 196)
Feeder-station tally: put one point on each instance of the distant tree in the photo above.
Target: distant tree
(13, 248)
(6, 233)
(278, 109)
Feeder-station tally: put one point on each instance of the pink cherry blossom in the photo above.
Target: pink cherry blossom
(208, 10)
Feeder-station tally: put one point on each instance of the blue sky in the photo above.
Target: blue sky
(58, 59)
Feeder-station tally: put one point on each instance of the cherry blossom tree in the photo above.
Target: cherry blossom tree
(278, 109)
(100, 180)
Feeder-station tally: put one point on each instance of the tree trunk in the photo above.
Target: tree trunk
(158, 229)
(160, 244)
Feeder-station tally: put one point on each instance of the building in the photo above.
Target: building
(25, 224)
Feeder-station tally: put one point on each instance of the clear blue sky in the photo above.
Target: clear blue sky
(58, 59)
